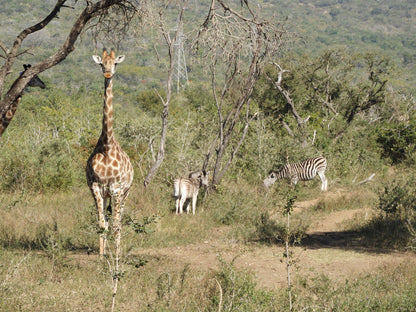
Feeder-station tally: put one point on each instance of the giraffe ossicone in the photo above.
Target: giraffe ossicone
(109, 171)
(108, 62)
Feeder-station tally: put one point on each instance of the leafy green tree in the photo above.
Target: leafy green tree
(333, 89)
(371, 92)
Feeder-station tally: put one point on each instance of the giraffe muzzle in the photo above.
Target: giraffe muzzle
(108, 75)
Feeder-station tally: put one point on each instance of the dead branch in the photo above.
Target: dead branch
(220, 301)
(285, 126)
(12, 53)
(370, 178)
(286, 95)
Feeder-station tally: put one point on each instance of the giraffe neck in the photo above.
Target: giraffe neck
(107, 135)
(7, 113)
(7, 116)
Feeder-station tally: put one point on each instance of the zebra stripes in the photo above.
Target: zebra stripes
(188, 188)
(302, 171)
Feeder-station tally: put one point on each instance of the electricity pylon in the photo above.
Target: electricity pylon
(181, 71)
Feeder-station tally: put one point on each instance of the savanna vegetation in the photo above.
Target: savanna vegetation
(340, 85)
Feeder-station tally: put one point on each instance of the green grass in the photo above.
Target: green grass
(345, 200)
(48, 260)
(31, 281)
(29, 220)
(390, 289)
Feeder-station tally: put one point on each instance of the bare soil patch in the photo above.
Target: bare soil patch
(328, 249)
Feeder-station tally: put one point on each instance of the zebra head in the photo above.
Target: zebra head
(271, 178)
(201, 176)
(204, 178)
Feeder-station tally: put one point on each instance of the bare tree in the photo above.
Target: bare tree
(237, 44)
(290, 102)
(93, 14)
(170, 43)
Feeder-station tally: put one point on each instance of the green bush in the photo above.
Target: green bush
(268, 230)
(56, 167)
(150, 102)
(397, 141)
(397, 197)
(395, 227)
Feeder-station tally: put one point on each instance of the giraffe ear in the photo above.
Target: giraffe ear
(120, 59)
(97, 59)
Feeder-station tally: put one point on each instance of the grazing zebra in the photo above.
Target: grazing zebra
(188, 188)
(303, 171)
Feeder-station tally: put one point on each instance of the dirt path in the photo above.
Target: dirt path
(327, 250)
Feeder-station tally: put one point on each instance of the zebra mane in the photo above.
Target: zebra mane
(278, 168)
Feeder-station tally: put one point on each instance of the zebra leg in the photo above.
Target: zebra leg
(177, 204)
(295, 181)
(182, 201)
(194, 203)
(324, 186)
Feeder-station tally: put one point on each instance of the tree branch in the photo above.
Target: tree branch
(12, 54)
(287, 96)
(16, 90)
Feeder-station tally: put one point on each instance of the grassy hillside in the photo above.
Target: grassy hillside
(380, 26)
(385, 27)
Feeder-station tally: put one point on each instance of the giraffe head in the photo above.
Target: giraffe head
(35, 81)
(108, 62)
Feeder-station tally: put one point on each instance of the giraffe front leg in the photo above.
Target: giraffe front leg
(100, 203)
(118, 200)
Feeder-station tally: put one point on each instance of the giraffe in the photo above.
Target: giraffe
(8, 115)
(109, 171)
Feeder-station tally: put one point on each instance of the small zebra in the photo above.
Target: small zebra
(303, 171)
(188, 188)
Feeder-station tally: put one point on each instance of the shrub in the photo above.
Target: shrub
(397, 142)
(150, 102)
(397, 197)
(396, 201)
